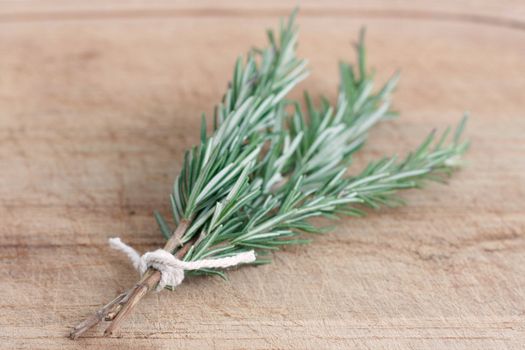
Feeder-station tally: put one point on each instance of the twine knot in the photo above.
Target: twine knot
(172, 269)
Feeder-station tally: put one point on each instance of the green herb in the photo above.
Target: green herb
(270, 166)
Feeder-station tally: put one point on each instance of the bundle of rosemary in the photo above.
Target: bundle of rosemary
(270, 165)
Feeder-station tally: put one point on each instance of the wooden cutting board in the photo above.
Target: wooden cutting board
(99, 100)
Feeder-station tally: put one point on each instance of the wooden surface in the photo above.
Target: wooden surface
(98, 101)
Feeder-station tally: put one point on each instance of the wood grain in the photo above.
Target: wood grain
(99, 100)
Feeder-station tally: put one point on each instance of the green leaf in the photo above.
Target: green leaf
(164, 228)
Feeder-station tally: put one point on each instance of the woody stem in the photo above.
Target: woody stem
(119, 308)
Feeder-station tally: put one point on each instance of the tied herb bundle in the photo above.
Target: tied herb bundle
(270, 165)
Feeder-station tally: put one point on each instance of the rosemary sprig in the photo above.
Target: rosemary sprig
(249, 107)
(270, 165)
(213, 171)
(309, 159)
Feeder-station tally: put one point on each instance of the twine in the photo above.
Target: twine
(171, 268)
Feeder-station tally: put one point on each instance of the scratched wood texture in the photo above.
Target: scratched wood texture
(98, 101)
